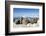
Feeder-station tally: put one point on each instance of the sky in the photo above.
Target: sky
(18, 12)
